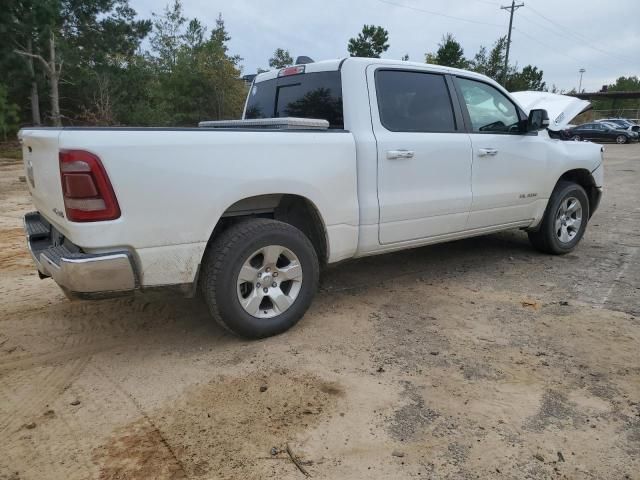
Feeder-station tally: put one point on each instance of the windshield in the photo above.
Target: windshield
(308, 95)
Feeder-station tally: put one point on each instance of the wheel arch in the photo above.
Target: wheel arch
(296, 210)
(583, 177)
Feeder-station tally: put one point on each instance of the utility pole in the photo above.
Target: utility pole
(581, 72)
(511, 9)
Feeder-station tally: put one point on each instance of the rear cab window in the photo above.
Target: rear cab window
(306, 95)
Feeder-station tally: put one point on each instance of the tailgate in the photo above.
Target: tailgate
(41, 164)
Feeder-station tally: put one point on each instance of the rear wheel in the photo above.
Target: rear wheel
(259, 277)
(620, 139)
(565, 220)
(576, 138)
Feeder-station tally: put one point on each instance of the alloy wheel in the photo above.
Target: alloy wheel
(269, 281)
(568, 219)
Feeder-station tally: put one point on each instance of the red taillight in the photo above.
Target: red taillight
(87, 191)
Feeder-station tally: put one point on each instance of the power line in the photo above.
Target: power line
(563, 35)
(555, 50)
(438, 14)
(559, 30)
(558, 25)
(489, 2)
(547, 46)
(576, 36)
(512, 10)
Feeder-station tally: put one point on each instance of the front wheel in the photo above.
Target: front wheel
(576, 138)
(259, 277)
(620, 139)
(565, 220)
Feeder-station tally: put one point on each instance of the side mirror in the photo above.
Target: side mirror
(538, 120)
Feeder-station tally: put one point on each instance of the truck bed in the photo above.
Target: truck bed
(174, 184)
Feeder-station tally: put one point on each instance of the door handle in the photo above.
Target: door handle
(396, 154)
(487, 152)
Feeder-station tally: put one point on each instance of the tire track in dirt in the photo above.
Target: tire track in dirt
(177, 469)
(223, 429)
(25, 362)
(42, 392)
(13, 251)
(25, 420)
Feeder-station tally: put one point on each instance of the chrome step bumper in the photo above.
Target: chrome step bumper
(79, 274)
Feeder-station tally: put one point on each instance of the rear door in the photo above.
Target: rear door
(424, 155)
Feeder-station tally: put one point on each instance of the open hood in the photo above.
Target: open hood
(561, 108)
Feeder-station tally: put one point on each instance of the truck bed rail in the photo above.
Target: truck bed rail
(285, 123)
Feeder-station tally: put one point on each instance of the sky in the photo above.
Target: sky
(558, 36)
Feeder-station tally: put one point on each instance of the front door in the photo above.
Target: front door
(509, 166)
(424, 155)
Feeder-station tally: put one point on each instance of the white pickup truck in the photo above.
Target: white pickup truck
(333, 160)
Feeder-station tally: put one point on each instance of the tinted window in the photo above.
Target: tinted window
(414, 102)
(489, 110)
(308, 95)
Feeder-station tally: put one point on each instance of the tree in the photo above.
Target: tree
(622, 84)
(53, 68)
(281, 58)
(371, 42)
(530, 78)
(625, 84)
(194, 37)
(23, 25)
(492, 64)
(196, 78)
(449, 53)
(8, 114)
(479, 61)
(82, 36)
(168, 35)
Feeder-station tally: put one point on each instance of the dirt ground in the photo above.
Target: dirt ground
(475, 359)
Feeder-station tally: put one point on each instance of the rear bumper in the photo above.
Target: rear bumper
(79, 274)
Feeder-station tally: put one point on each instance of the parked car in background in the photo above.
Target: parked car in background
(601, 132)
(611, 125)
(622, 123)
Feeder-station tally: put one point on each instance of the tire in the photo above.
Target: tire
(576, 138)
(621, 139)
(558, 234)
(246, 247)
